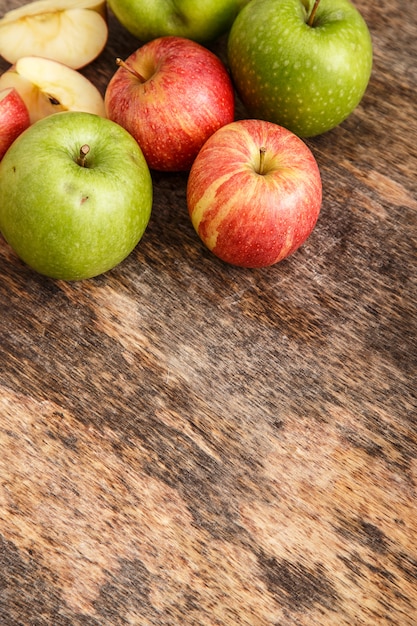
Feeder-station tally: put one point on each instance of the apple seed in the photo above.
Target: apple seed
(54, 101)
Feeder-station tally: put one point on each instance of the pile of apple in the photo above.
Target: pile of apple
(75, 167)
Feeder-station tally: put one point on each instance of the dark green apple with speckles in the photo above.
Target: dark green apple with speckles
(303, 64)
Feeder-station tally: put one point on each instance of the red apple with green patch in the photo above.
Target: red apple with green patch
(254, 193)
(14, 118)
(171, 95)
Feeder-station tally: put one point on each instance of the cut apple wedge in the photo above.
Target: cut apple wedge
(47, 87)
(73, 32)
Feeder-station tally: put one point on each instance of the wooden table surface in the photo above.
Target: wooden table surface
(188, 443)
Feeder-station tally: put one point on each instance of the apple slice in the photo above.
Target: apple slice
(14, 118)
(73, 32)
(48, 86)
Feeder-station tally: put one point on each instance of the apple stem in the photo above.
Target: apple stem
(130, 69)
(82, 157)
(313, 13)
(262, 151)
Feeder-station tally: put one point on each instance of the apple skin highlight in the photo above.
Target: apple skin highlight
(186, 95)
(248, 218)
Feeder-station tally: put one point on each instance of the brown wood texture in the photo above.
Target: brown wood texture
(185, 442)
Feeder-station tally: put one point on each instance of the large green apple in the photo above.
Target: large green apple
(302, 64)
(200, 21)
(76, 195)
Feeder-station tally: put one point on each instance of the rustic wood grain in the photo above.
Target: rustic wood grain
(184, 442)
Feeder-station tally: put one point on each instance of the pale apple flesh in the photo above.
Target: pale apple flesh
(247, 213)
(73, 33)
(185, 94)
(47, 87)
(14, 118)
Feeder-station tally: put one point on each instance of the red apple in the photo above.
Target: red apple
(14, 118)
(254, 193)
(171, 95)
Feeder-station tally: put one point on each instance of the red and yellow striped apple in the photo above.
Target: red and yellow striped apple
(254, 193)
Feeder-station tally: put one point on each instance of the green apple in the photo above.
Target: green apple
(303, 64)
(76, 195)
(200, 21)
